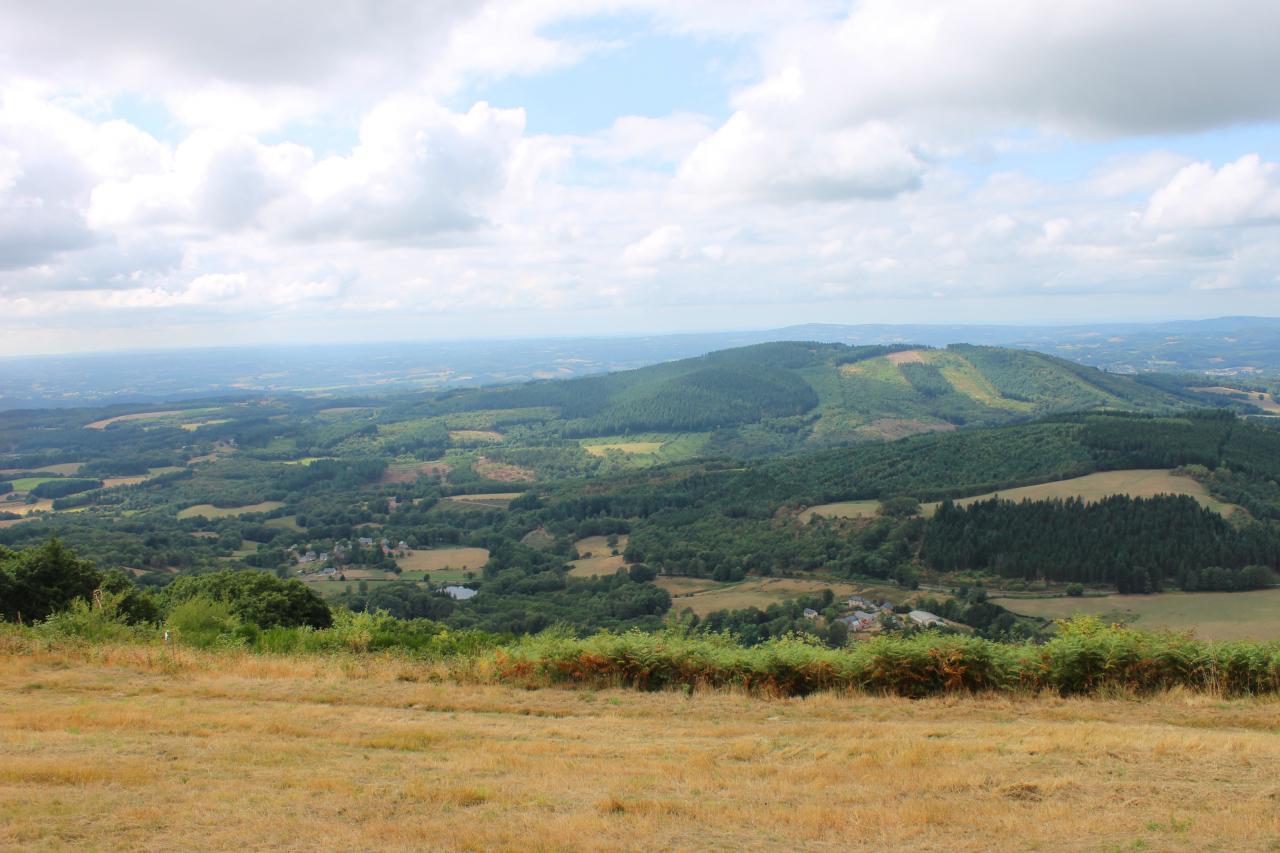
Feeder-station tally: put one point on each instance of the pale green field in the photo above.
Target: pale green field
(26, 484)
(1253, 615)
(704, 596)
(211, 511)
(643, 449)
(1138, 483)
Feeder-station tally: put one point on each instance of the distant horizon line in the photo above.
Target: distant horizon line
(533, 338)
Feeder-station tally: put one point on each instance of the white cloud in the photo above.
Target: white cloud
(1246, 192)
(750, 159)
(662, 244)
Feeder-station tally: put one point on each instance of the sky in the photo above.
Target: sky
(177, 173)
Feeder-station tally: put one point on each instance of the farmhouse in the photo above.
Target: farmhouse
(859, 620)
(925, 619)
(859, 602)
(810, 613)
(459, 593)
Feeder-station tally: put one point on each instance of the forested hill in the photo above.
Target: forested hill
(785, 395)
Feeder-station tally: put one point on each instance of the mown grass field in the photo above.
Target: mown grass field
(135, 748)
(1136, 483)
(601, 561)
(440, 559)
(704, 596)
(210, 511)
(1253, 615)
(638, 451)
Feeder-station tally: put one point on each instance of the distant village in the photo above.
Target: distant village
(871, 615)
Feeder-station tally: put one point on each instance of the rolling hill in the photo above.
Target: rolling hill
(790, 395)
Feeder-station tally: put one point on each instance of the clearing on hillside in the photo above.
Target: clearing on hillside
(408, 472)
(139, 416)
(1136, 483)
(1266, 402)
(67, 469)
(441, 559)
(502, 472)
(601, 561)
(1212, 615)
(911, 356)
(476, 436)
(486, 500)
(631, 447)
(210, 511)
(706, 596)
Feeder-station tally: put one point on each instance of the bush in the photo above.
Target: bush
(257, 597)
(206, 623)
(1075, 590)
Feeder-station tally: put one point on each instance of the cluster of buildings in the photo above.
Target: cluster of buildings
(868, 612)
(325, 562)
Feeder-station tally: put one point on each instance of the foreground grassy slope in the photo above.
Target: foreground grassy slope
(125, 748)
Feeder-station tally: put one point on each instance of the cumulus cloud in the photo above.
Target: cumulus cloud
(749, 159)
(1246, 192)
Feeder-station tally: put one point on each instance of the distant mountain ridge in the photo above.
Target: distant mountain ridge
(782, 396)
(1228, 346)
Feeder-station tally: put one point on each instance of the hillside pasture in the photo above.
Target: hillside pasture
(1253, 615)
(486, 500)
(211, 512)
(133, 748)
(601, 561)
(65, 469)
(628, 447)
(408, 472)
(1136, 483)
(1264, 401)
(443, 559)
(703, 598)
(644, 449)
(476, 436)
(502, 472)
(139, 416)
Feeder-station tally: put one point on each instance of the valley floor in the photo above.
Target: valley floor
(125, 747)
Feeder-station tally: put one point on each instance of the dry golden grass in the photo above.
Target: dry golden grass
(1136, 483)
(601, 561)
(210, 511)
(119, 748)
(623, 447)
(438, 559)
(907, 357)
(703, 597)
(472, 436)
(502, 472)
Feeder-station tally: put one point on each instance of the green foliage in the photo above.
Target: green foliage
(64, 486)
(37, 582)
(1085, 658)
(1135, 543)
(253, 597)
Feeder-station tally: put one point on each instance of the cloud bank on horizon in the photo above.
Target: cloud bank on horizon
(192, 173)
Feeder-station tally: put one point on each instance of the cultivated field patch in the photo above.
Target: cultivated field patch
(211, 511)
(408, 472)
(502, 472)
(1266, 402)
(1136, 483)
(1253, 615)
(476, 436)
(754, 592)
(601, 561)
(444, 559)
(485, 500)
(630, 447)
(137, 416)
